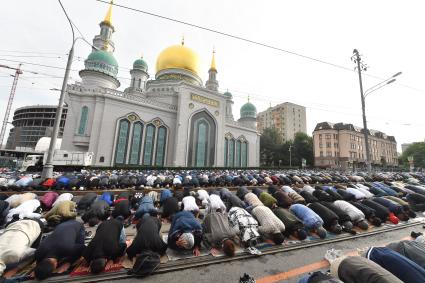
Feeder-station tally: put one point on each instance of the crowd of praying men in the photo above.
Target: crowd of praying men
(215, 219)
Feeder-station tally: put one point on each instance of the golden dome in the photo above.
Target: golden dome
(178, 57)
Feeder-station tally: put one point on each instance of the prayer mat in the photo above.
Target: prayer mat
(23, 269)
(83, 269)
(220, 253)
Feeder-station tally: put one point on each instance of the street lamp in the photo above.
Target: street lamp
(48, 167)
(388, 81)
(362, 67)
(290, 155)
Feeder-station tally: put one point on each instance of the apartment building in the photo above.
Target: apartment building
(342, 146)
(288, 118)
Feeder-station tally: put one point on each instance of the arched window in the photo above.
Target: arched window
(160, 146)
(202, 140)
(238, 154)
(83, 120)
(136, 142)
(122, 140)
(244, 154)
(226, 152)
(231, 153)
(102, 159)
(149, 143)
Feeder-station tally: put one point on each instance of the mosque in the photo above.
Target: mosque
(171, 120)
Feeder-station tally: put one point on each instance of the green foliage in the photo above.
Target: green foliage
(273, 149)
(417, 150)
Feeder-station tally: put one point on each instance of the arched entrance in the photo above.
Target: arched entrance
(202, 140)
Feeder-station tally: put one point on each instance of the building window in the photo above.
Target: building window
(160, 146)
(335, 144)
(320, 145)
(238, 154)
(329, 153)
(231, 153)
(122, 139)
(321, 154)
(149, 143)
(226, 152)
(328, 136)
(328, 145)
(320, 136)
(83, 120)
(102, 159)
(244, 154)
(136, 142)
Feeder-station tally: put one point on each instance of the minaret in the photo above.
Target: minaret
(248, 115)
(101, 67)
(229, 103)
(103, 41)
(139, 74)
(212, 82)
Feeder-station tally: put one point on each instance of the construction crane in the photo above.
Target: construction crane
(18, 72)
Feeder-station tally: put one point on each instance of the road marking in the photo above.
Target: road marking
(306, 268)
(294, 272)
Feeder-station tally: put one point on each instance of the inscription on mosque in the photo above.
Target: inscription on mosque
(205, 100)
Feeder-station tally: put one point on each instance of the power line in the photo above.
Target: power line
(228, 35)
(36, 64)
(250, 41)
(32, 52)
(32, 56)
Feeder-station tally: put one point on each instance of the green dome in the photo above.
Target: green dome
(102, 61)
(140, 64)
(228, 94)
(248, 110)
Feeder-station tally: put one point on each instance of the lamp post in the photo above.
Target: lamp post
(290, 155)
(48, 167)
(362, 67)
(411, 164)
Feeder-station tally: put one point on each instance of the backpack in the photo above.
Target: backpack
(146, 263)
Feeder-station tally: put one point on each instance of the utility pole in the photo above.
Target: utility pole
(362, 67)
(9, 103)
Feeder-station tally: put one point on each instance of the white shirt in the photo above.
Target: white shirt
(176, 181)
(288, 189)
(365, 192)
(215, 203)
(62, 197)
(203, 195)
(189, 204)
(25, 210)
(357, 193)
(308, 189)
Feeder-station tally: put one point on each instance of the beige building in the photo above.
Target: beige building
(341, 146)
(288, 118)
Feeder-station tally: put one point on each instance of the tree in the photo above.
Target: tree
(302, 148)
(270, 141)
(273, 149)
(417, 150)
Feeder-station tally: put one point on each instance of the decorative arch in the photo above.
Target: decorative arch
(202, 140)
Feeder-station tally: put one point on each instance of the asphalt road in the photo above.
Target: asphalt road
(291, 265)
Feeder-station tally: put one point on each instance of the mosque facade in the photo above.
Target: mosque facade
(173, 119)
